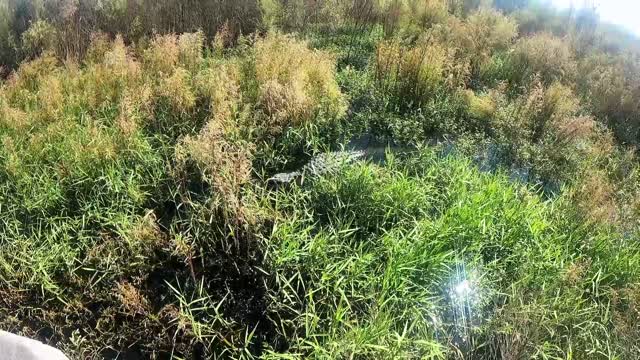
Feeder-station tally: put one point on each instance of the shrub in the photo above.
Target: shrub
(27, 77)
(543, 54)
(422, 15)
(51, 97)
(176, 90)
(40, 36)
(163, 55)
(496, 70)
(485, 31)
(538, 18)
(10, 117)
(106, 79)
(544, 129)
(607, 85)
(225, 162)
(12, 25)
(413, 74)
(191, 47)
(219, 151)
(475, 39)
(595, 197)
(69, 25)
(481, 106)
(221, 87)
(88, 180)
(330, 13)
(295, 85)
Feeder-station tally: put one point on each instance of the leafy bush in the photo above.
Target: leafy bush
(412, 75)
(539, 18)
(544, 129)
(545, 55)
(607, 85)
(39, 37)
(296, 99)
(491, 30)
(481, 34)
(416, 16)
(295, 83)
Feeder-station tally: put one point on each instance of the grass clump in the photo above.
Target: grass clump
(295, 83)
(543, 54)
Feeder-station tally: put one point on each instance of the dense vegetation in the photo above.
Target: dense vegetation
(137, 137)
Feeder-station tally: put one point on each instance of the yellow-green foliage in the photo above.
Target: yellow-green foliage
(191, 46)
(218, 150)
(11, 117)
(414, 73)
(478, 37)
(560, 102)
(135, 108)
(104, 106)
(26, 79)
(40, 36)
(294, 82)
(176, 90)
(480, 106)
(225, 162)
(100, 45)
(595, 197)
(163, 54)
(490, 31)
(543, 128)
(538, 18)
(271, 12)
(105, 80)
(90, 152)
(133, 191)
(297, 14)
(543, 54)
(28, 26)
(221, 87)
(610, 85)
(541, 108)
(425, 13)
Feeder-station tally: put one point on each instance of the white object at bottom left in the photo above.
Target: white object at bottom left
(14, 347)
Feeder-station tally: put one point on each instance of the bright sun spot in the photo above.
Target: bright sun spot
(463, 288)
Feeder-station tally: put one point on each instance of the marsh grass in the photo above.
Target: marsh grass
(407, 235)
(136, 220)
(127, 174)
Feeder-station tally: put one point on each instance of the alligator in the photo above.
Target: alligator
(363, 147)
(321, 164)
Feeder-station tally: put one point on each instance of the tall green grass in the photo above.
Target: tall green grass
(425, 257)
(123, 184)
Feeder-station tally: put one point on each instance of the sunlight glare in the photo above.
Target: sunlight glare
(620, 12)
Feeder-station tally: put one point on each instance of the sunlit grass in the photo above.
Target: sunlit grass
(137, 221)
(429, 258)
